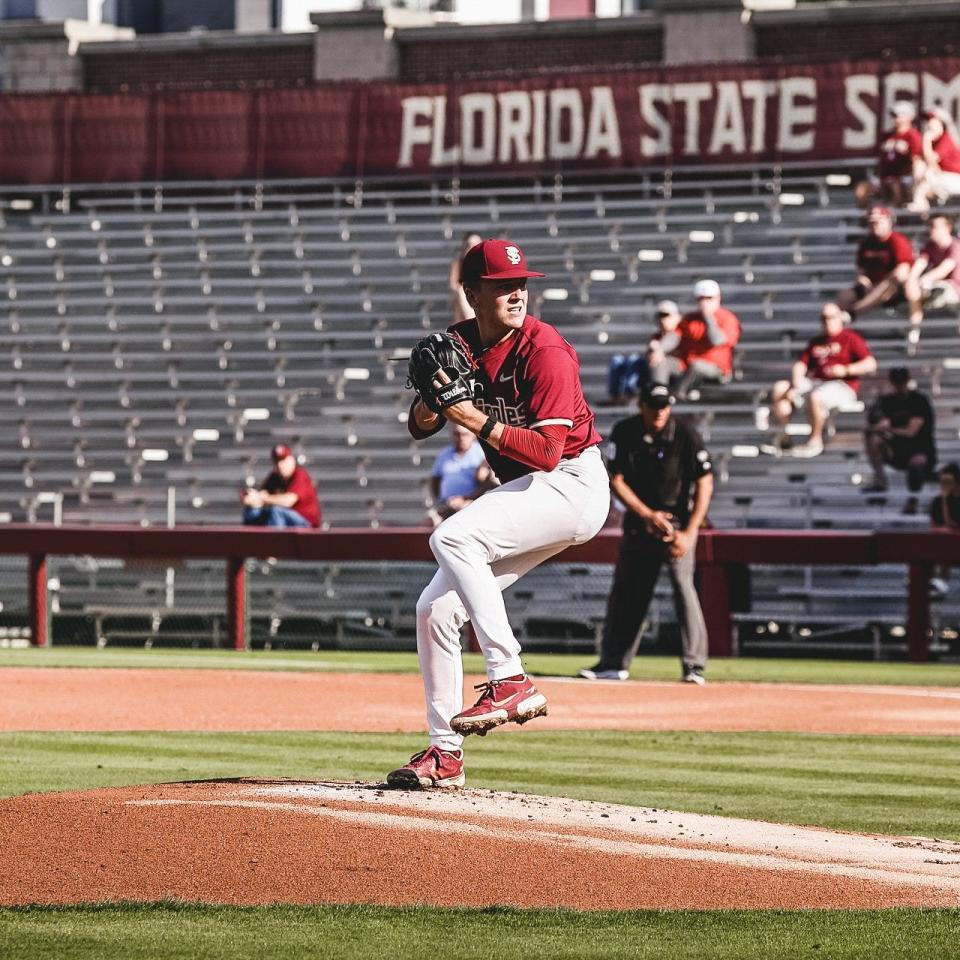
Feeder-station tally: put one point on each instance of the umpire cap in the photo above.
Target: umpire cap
(656, 396)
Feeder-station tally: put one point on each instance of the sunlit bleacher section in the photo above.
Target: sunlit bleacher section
(160, 338)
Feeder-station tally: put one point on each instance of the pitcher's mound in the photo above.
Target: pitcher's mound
(255, 841)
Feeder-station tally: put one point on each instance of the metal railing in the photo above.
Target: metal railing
(717, 552)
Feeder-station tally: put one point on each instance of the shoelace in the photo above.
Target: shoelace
(487, 689)
(432, 752)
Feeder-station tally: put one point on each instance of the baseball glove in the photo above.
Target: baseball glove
(447, 353)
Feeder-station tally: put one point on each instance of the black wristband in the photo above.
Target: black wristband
(487, 429)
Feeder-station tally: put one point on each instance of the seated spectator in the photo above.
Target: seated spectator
(701, 347)
(286, 498)
(900, 434)
(460, 474)
(900, 148)
(945, 514)
(939, 175)
(934, 278)
(826, 377)
(628, 373)
(884, 258)
(460, 309)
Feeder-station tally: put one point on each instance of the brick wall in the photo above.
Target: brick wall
(239, 66)
(434, 61)
(906, 39)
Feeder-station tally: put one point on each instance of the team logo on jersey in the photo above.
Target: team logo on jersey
(513, 254)
(511, 414)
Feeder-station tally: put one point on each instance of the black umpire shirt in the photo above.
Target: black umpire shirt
(662, 469)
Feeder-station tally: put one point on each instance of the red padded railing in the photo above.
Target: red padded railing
(716, 550)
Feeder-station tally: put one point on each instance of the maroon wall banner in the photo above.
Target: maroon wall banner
(718, 114)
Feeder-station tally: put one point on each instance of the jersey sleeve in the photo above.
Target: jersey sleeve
(858, 347)
(300, 486)
(920, 407)
(552, 379)
(732, 329)
(902, 248)
(700, 463)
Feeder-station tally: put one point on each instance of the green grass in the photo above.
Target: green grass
(290, 933)
(766, 670)
(900, 785)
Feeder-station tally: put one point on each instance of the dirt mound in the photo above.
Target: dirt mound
(254, 842)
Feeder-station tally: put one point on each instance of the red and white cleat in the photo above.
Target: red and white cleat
(501, 701)
(432, 767)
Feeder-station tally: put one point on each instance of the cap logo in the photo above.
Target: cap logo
(513, 254)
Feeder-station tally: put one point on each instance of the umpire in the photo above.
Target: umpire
(661, 471)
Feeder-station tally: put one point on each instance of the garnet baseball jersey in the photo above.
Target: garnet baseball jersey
(696, 345)
(948, 153)
(897, 151)
(299, 483)
(876, 258)
(531, 379)
(824, 351)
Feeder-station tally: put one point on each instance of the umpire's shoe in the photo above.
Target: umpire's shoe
(432, 767)
(514, 700)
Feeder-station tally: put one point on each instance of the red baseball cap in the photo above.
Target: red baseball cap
(880, 212)
(280, 452)
(495, 260)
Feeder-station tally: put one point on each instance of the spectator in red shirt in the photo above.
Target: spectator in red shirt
(826, 375)
(287, 497)
(934, 278)
(939, 178)
(884, 258)
(900, 149)
(701, 347)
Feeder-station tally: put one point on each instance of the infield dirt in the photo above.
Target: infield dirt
(255, 842)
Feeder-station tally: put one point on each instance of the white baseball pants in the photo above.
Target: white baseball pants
(481, 551)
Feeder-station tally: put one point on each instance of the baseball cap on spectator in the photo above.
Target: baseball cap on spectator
(495, 260)
(898, 375)
(656, 396)
(903, 108)
(706, 288)
(666, 307)
(280, 451)
(879, 211)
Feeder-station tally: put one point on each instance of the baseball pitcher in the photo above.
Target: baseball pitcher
(512, 380)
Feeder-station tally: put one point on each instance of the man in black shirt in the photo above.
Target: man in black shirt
(899, 433)
(662, 473)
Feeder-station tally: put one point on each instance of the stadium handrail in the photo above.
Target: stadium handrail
(465, 176)
(717, 550)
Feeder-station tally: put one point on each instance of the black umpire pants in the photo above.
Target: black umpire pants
(634, 580)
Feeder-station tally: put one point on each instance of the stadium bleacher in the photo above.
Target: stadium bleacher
(164, 336)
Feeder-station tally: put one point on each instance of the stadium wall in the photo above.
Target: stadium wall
(717, 550)
(724, 114)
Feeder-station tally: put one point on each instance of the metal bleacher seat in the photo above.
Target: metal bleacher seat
(132, 318)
